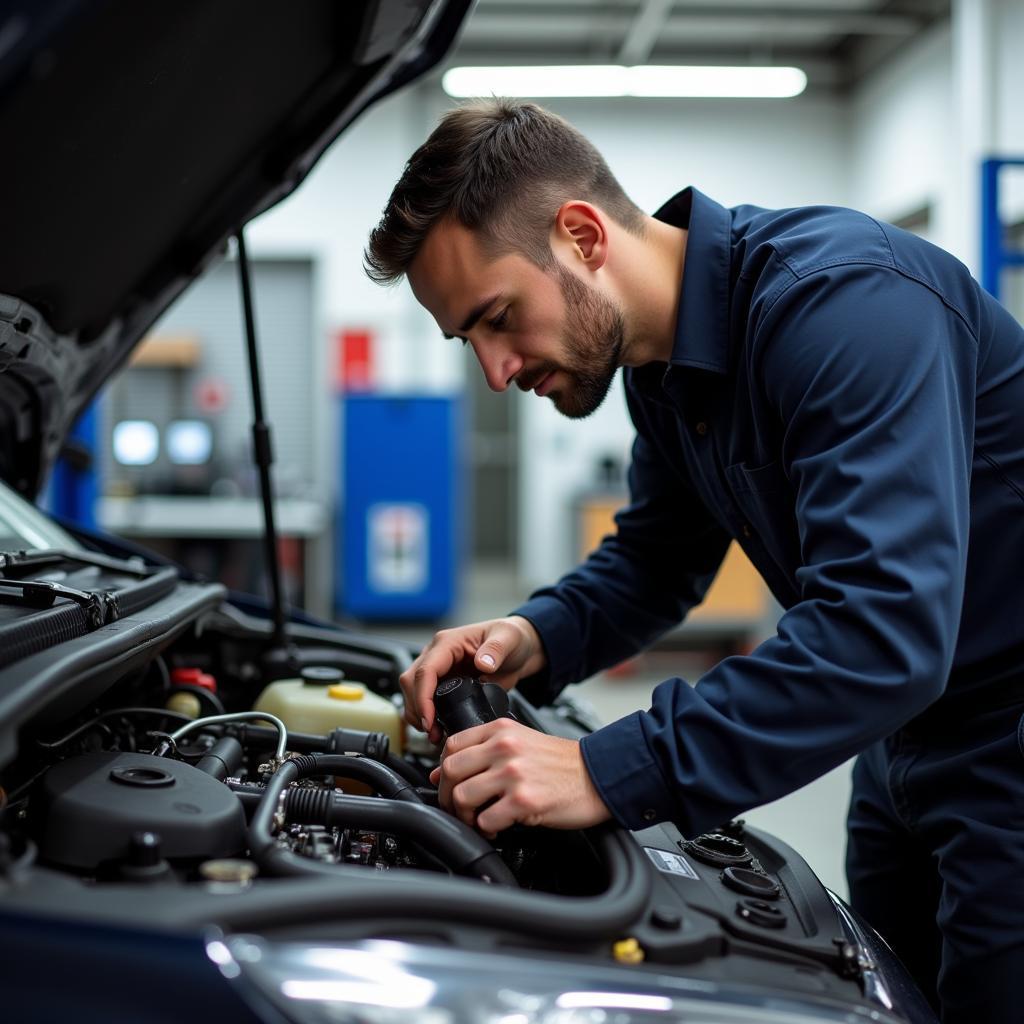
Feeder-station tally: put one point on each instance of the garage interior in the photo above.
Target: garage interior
(905, 102)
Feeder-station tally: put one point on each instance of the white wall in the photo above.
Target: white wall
(920, 125)
(901, 133)
(1008, 86)
(1009, 76)
(330, 217)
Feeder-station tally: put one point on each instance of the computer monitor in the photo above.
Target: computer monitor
(188, 442)
(136, 442)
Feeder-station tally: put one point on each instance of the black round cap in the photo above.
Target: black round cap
(461, 703)
(765, 915)
(321, 675)
(751, 883)
(714, 848)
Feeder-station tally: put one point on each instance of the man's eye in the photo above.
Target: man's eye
(499, 321)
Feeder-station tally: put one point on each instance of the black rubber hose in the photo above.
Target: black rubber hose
(249, 796)
(339, 740)
(385, 781)
(382, 778)
(358, 741)
(260, 835)
(442, 833)
(453, 843)
(224, 758)
(263, 737)
(586, 919)
(408, 772)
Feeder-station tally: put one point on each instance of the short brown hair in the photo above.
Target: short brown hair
(499, 166)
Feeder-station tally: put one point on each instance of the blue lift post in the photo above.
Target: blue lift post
(995, 256)
(73, 489)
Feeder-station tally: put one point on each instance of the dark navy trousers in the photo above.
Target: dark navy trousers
(935, 854)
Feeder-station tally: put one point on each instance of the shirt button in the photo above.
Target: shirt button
(650, 814)
(747, 532)
(701, 428)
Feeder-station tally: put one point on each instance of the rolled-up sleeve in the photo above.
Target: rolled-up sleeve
(872, 378)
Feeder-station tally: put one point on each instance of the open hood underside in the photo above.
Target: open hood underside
(138, 138)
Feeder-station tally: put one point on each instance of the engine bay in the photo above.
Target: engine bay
(161, 789)
(154, 764)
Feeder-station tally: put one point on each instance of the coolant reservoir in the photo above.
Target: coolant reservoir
(322, 700)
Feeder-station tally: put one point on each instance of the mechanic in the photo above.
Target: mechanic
(843, 400)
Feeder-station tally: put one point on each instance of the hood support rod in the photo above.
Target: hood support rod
(263, 451)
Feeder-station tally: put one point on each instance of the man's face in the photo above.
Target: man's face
(544, 330)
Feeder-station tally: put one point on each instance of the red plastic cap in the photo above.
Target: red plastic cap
(193, 677)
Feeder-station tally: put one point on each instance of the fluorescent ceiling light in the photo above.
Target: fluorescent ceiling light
(617, 80)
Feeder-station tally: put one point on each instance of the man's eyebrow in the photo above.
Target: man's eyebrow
(474, 314)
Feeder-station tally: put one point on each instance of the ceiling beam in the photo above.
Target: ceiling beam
(704, 25)
(643, 33)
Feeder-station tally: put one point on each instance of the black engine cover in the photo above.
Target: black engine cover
(95, 803)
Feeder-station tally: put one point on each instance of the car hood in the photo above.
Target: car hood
(138, 138)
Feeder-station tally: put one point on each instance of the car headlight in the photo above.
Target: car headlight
(386, 982)
(884, 979)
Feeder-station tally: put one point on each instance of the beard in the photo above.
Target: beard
(593, 342)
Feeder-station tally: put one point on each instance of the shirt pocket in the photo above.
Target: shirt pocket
(766, 479)
(765, 501)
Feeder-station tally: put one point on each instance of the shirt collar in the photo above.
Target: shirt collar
(702, 323)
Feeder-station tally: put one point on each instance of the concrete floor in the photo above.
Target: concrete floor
(812, 820)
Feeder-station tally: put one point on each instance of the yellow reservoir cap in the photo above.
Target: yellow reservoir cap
(347, 691)
(628, 951)
(345, 704)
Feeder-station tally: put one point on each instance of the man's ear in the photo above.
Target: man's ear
(580, 232)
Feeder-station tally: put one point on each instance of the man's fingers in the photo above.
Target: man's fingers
(497, 649)
(420, 682)
(464, 781)
(499, 643)
(423, 699)
(497, 817)
(456, 766)
(494, 775)
(488, 658)
(469, 798)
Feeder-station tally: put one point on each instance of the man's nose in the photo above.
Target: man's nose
(500, 365)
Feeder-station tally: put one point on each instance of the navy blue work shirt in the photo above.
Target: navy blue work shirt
(847, 403)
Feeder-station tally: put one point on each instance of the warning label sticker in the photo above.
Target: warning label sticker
(398, 547)
(673, 863)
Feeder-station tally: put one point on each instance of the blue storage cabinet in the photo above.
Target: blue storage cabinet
(400, 543)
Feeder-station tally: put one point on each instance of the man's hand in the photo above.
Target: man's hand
(521, 775)
(501, 651)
